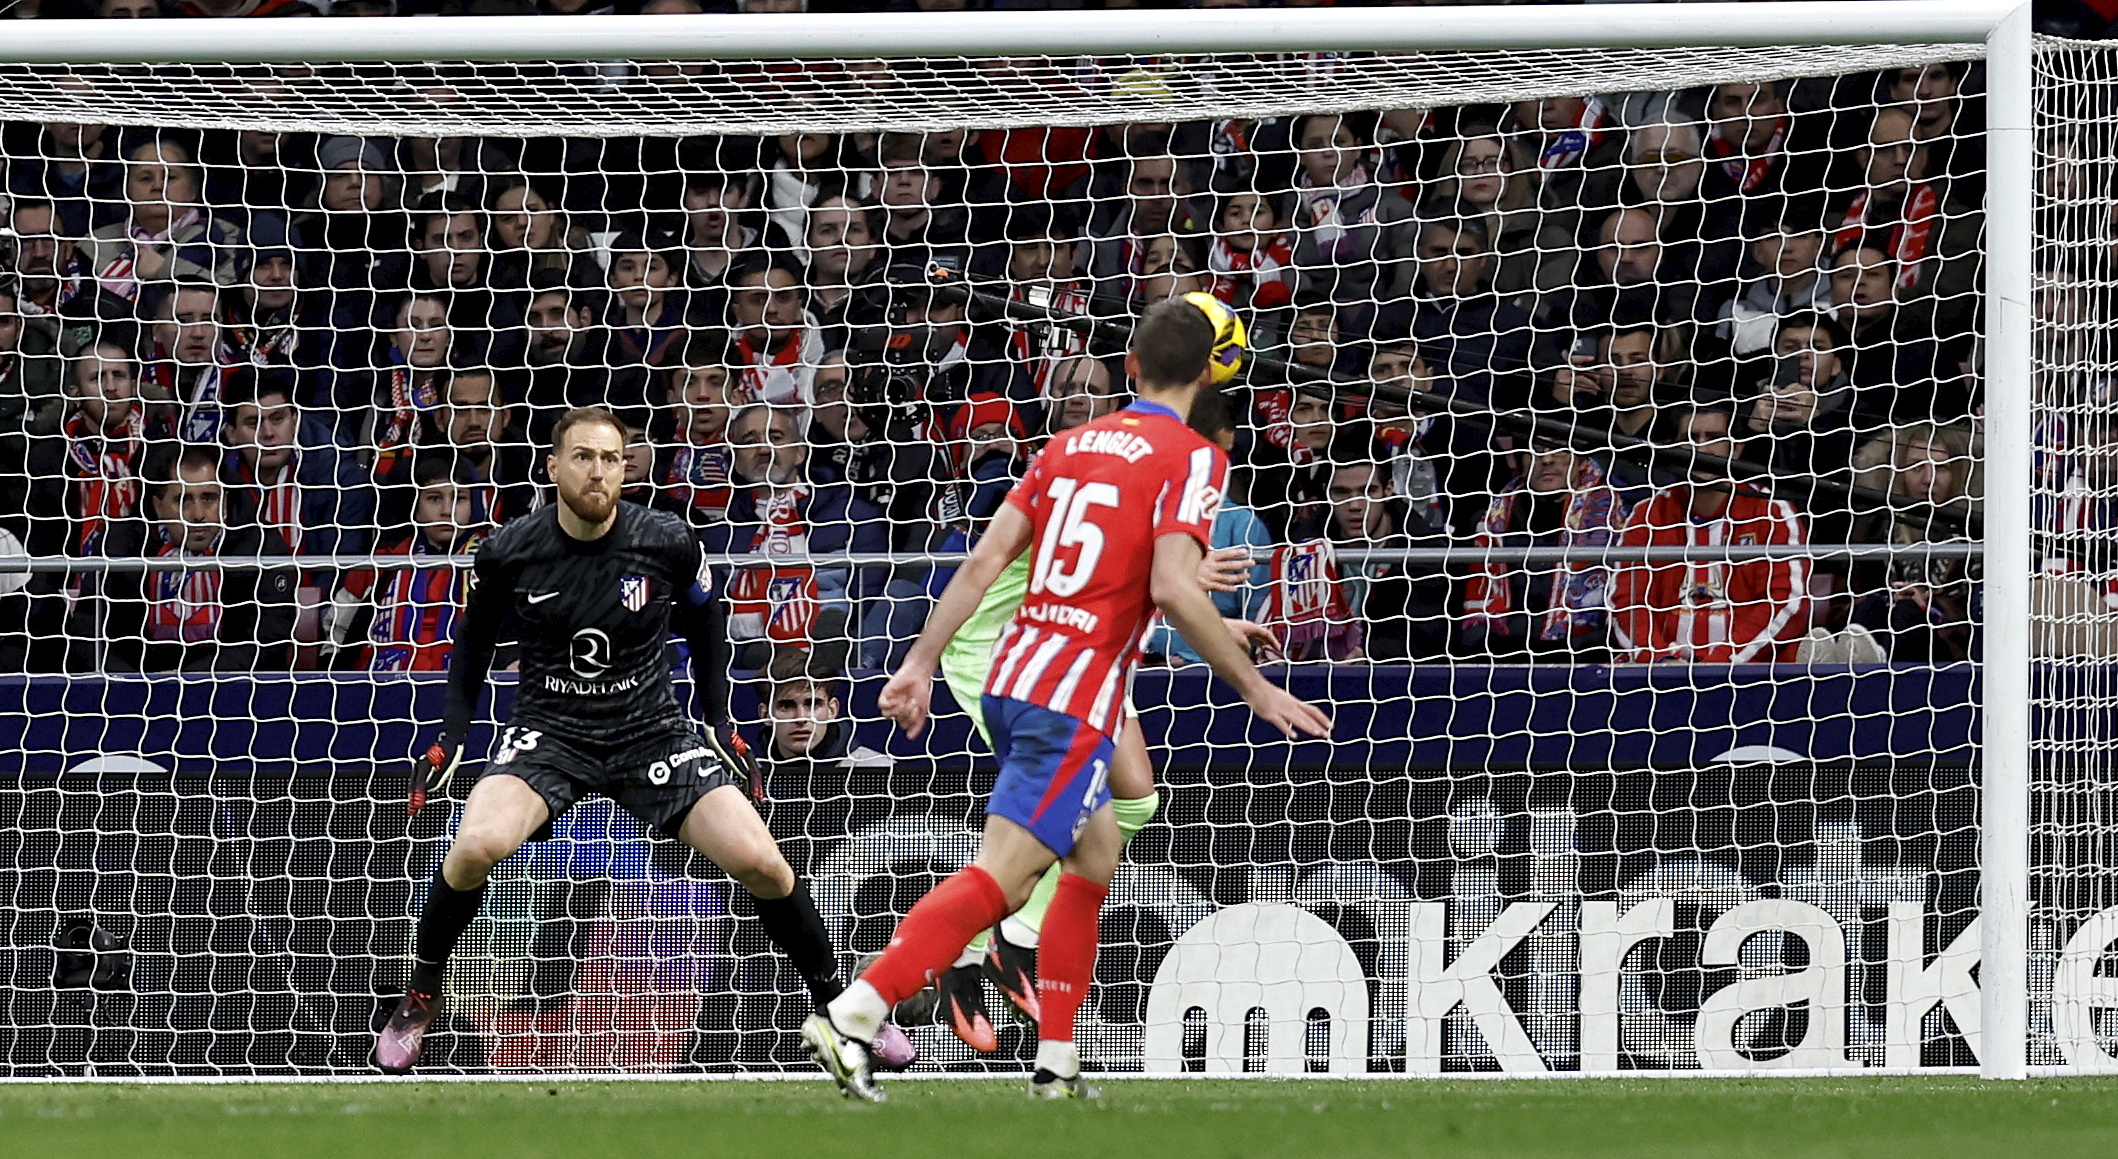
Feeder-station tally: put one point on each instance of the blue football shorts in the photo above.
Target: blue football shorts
(1054, 770)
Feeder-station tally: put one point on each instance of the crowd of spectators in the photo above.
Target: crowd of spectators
(238, 343)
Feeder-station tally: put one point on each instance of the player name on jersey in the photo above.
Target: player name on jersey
(1126, 445)
(1064, 615)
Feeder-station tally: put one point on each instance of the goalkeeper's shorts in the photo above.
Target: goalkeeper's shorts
(656, 778)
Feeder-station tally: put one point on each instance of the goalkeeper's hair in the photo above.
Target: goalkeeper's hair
(584, 416)
(1173, 341)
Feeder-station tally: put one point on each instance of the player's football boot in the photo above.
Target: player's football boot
(963, 1007)
(892, 1049)
(1046, 1085)
(398, 1045)
(844, 1058)
(1013, 969)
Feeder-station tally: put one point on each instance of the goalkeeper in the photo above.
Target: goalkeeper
(1009, 956)
(596, 585)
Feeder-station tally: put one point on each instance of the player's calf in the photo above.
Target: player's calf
(1066, 949)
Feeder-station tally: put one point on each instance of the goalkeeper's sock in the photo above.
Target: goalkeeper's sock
(942, 923)
(798, 930)
(442, 920)
(1132, 815)
(1066, 963)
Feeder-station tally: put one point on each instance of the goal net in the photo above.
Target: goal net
(1610, 460)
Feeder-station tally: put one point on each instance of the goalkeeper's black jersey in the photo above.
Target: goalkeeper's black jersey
(595, 619)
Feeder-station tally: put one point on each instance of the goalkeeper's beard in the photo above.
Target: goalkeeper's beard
(592, 504)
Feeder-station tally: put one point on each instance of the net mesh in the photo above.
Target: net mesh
(1636, 767)
(2072, 609)
(678, 98)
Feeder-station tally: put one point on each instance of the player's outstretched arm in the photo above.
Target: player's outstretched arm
(1176, 590)
(470, 661)
(702, 617)
(906, 698)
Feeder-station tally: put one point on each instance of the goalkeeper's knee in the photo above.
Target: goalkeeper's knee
(1133, 813)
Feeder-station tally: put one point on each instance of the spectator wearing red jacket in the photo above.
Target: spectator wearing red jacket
(1705, 611)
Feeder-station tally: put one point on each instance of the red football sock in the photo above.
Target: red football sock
(937, 929)
(1066, 955)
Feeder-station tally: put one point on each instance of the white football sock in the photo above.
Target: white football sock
(859, 1012)
(1060, 1058)
(1019, 932)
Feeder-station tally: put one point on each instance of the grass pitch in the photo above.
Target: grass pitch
(1637, 1119)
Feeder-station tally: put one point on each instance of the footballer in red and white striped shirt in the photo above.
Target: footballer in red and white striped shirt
(1097, 500)
(1120, 512)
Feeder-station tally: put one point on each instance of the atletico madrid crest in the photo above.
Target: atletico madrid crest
(632, 592)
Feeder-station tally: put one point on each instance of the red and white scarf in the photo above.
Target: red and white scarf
(1747, 172)
(1228, 142)
(1306, 607)
(1910, 234)
(121, 275)
(1595, 517)
(1273, 409)
(1133, 249)
(264, 345)
(279, 499)
(1262, 275)
(105, 474)
(768, 376)
(775, 603)
(409, 398)
(1043, 347)
(186, 607)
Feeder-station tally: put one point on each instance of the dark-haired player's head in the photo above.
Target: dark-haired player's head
(1210, 418)
(1172, 349)
(801, 702)
(587, 463)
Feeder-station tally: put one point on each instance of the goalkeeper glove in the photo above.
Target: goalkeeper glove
(432, 769)
(734, 754)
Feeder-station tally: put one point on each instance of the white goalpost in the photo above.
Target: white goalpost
(839, 274)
